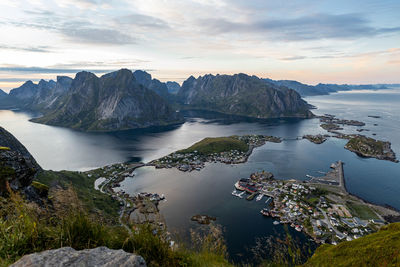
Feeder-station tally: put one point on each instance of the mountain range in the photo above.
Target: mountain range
(128, 100)
(325, 89)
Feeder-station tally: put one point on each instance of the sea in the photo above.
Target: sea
(209, 191)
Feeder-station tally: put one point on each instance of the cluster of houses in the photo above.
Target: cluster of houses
(188, 162)
(305, 208)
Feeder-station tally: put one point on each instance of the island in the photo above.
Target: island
(203, 219)
(228, 150)
(321, 206)
(371, 148)
(316, 139)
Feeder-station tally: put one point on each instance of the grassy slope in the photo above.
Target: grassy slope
(378, 249)
(217, 145)
(92, 199)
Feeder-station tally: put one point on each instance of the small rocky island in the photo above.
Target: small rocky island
(203, 219)
(331, 123)
(316, 139)
(371, 148)
(228, 150)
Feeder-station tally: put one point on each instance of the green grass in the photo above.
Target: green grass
(26, 228)
(362, 211)
(377, 249)
(217, 145)
(92, 199)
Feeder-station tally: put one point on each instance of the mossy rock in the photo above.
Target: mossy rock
(41, 189)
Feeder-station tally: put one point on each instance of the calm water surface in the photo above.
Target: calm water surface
(209, 191)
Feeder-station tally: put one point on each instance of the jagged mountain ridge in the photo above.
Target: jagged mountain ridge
(243, 95)
(40, 96)
(115, 101)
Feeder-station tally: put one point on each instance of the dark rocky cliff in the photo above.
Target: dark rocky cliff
(243, 95)
(17, 166)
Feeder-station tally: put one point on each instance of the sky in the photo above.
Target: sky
(305, 40)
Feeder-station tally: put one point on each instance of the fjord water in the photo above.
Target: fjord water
(209, 191)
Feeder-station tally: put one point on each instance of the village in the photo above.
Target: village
(191, 159)
(311, 207)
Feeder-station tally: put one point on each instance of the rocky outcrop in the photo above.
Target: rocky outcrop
(243, 95)
(66, 256)
(115, 101)
(17, 166)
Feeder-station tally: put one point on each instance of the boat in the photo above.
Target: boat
(237, 194)
(264, 212)
(309, 176)
(259, 197)
(268, 199)
(275, 222)
(298, 228)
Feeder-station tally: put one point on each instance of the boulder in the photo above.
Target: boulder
(67, 256)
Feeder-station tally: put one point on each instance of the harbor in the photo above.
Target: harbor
(319, 207)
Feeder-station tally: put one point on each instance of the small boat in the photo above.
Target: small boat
(264, 212)
(309, 176)
(259, 197)
(275, 222)
(268, 199)
(298, 228)
(292, 225)
(241, 194)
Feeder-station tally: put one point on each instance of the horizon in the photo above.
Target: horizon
(99, 74)
(307, 41)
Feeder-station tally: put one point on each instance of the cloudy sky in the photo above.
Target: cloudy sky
(310, 41)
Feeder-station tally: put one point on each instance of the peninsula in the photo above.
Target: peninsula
(228, 150)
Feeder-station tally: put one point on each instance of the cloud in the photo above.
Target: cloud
(142, 21)
(293, 58)
(40, 49)
(310, 27)
(96, 35)
(41, 70)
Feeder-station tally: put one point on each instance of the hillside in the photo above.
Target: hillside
(115, 101)
(242, 95)
(217, 145)
(378, 249)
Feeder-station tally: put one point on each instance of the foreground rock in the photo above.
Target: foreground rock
(67, 256)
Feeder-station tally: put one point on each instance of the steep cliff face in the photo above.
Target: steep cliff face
(155, 85)
(113, 102)
(17, 166)
(243, 95)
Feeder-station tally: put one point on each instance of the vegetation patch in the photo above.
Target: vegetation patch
(377, 249)
(362, 211)
(217, 145)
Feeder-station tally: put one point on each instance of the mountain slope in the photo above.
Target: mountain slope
(41, 96)
(114, 101)
(378, 249)
(242, 95)
(155, 85)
